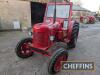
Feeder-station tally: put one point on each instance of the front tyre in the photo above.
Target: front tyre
(22, 49)
(55, 62)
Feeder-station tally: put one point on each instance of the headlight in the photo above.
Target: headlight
(30, 33)
(52, 38)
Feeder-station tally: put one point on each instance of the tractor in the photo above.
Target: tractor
(52, 38)
(87, 19)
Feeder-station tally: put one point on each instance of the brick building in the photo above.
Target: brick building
(20, 11)
(79, 11)
(13, 10)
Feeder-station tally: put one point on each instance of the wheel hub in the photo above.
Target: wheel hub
(57, 66)
(25, 49)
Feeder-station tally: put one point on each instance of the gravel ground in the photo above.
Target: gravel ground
(88, 49)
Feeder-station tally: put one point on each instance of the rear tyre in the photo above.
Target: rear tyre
(74, 36)
(22, 49)
(55, 62)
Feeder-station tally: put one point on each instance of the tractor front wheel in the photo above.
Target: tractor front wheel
(55, 62)
(22, 49)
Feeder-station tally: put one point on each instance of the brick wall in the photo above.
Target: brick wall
(11, 10)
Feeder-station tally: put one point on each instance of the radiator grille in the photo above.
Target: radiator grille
(41, 39)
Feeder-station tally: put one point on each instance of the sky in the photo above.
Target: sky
(92, 5)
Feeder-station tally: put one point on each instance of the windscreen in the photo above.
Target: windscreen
(62, 11)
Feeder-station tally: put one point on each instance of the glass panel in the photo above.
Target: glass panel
(62, 11)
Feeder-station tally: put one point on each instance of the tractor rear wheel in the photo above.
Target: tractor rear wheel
(74, 36)
(22, 49)
(55, 61)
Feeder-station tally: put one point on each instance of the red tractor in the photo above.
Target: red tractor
(87, 19)
(52, 38)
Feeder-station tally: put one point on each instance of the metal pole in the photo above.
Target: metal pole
(55, 13)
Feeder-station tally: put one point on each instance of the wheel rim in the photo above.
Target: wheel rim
(85, 21)
(25, 49)
(57, 66)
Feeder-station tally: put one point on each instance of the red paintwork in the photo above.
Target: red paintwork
(43, 31)
(25, 49)
(57, 66)
(81, 18)
(91, 19)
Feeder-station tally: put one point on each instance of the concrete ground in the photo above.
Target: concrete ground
(88, 49)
